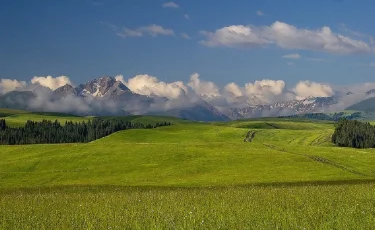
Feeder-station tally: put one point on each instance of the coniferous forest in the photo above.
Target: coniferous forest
(48, 132)
(355, 134)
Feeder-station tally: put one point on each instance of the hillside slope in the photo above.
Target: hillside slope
(17, 118)
(191, 154)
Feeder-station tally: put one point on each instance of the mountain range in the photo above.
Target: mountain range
(105, 96)
(108, 96)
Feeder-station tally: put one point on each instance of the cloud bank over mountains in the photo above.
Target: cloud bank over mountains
(7, 85)
(259, 92)
(146, 94)
(51, 82)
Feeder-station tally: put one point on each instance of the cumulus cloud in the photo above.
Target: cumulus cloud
(206, 89)
(286, 36)
(265, 87)
(232, 95)
(148, 85)
(305, 89)
(51, 82)
(292, 56)
(170, 5)
(152, 30)
(233, 89)
(7, 85)
(235, 36)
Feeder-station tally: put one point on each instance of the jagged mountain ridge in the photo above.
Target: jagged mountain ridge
(103, 87)
(308, 105)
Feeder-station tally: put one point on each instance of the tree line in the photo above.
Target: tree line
(355, 134)
(323, 116)
(49, 132)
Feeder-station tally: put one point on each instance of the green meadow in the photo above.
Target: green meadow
(190, 175)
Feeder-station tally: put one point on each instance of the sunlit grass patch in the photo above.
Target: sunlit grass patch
(255, 207)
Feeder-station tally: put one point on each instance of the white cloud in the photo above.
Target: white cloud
(260, 13)
(260, 92)
(234, 89)
(170, 5)
(235, 36)
(186, 16)
(152, 30)
(265, 86)
(287, 37)
(206, 89)
(7, 85)
(292, 56)
(305, 89)
(290, 63)
(148, 85)
(185, 35)
(51, 82)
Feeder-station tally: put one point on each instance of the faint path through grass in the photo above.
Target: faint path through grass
(318, 159)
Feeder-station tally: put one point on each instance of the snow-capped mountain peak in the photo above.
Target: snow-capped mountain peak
(103, 87)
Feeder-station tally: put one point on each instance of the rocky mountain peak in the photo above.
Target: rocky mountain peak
(372, 91)
(66, 90)
(102, 87)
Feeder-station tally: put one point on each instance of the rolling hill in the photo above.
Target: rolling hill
(188, 154)
(188, 175)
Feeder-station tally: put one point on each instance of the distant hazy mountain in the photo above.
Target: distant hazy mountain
(201, 111)
(17, 99)
(367, 105)
(308, 105)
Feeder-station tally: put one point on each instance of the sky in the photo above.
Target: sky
(224, 41)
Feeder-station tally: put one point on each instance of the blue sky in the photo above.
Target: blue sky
(86, 39)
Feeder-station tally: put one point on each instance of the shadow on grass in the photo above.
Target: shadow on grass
(101, 188)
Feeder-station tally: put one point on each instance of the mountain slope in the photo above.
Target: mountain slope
(65, 91)
(367, 105)
(196, 113)
(17, 99)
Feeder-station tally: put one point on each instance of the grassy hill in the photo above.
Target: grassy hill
(190, 175)
(17, 118)
(191, 154)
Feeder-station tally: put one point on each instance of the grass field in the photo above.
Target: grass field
(290, 177)
(18, 118)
